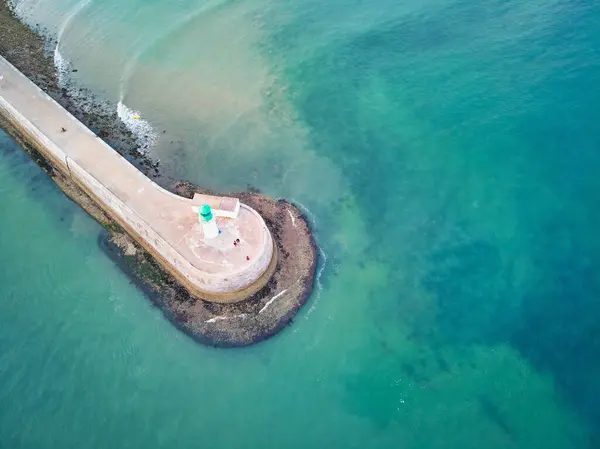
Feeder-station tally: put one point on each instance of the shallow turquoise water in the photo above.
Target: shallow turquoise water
(448, 153)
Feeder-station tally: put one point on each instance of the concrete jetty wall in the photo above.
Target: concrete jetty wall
(161, 222)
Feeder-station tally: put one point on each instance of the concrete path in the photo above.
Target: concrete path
(214, 266)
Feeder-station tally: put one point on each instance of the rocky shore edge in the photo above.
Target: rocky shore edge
(224, 325)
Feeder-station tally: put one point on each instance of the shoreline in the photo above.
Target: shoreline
(254, 319)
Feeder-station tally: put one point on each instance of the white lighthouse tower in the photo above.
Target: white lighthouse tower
(209, 224)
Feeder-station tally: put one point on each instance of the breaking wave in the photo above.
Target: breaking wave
(322, 253)
(62, 66)
(142, 130)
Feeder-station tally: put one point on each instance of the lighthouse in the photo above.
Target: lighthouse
(209, 224)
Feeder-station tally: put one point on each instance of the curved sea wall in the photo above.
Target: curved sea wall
(224, 324)
(165, 224)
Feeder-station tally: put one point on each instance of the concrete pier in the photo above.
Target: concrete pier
(165, 224)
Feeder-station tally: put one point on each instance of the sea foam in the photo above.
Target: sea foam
(141, 129)
(62, 68)
(323, 254)
(17, 7)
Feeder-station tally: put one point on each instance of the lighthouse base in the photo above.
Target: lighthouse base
(210, 230)
(288, 282)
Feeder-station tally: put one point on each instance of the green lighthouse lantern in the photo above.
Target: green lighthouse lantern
(206, 214)
(209, 224)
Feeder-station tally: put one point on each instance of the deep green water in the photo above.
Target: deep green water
(449, 153)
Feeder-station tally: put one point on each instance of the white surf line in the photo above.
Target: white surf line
(319, 285)
(221, 318)
(307, 211)
(62, 65)
(72, 14)
(270, 301)
(311, 216)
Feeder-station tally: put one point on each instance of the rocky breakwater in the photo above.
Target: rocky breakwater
(261, 314)
(279, 247)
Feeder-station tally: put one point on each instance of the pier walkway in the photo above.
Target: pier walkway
(163, 223)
